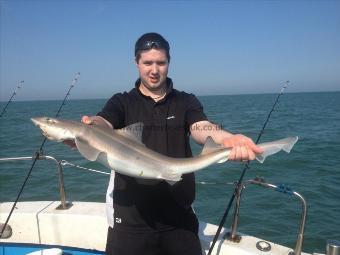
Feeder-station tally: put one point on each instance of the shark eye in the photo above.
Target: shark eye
(51, 121)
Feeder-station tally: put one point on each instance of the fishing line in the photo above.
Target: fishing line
(239, 182)
(10, 100)
(37, 154)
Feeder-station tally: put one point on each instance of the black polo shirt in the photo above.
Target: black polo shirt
(142, 205)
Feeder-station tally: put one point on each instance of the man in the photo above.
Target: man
(152, 216)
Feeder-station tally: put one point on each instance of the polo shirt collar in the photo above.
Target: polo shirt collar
(169, 87)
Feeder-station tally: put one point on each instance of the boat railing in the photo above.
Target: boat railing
(233, 236)
(64, 204)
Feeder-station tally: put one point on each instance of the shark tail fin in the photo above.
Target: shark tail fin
(271, 148)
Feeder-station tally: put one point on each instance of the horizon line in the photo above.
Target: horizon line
(239, 94)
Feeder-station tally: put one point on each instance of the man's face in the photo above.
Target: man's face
(153, 69)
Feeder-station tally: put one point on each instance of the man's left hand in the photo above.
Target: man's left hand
(243, 148)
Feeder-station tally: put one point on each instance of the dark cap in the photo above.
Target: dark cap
(152, 41)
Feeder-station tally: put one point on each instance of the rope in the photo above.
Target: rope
(215, 183)
(67, 163)
(283, 188)
(64, 163)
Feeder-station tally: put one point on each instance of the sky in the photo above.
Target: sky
(217, 47)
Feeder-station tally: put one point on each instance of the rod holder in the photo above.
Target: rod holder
(232, 235)
(64, 205)
(333, 247)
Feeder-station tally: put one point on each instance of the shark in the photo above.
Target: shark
(123, 150)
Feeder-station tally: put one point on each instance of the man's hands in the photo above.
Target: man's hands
(96, 120)
(87, 120)
(243, 148)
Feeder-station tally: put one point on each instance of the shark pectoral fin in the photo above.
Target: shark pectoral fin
(210, 146)
(276, 146)
(87, 150)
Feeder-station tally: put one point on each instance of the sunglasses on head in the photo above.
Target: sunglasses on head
(147, 45)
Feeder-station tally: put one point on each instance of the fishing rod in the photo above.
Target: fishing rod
(37, 154)
(239, 182)
(10, 100)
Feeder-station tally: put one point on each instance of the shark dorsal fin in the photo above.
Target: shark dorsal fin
(210, 146)
(133, 132)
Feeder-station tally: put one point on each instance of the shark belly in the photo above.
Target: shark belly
(133, 165)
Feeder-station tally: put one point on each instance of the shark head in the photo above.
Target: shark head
(55, 129)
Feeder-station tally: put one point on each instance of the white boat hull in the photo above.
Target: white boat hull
(84, 225)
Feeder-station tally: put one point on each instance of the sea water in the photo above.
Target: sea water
(312, 168)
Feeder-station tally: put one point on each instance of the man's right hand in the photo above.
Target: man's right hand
(96, 120)
(89, 120)
(86, 120)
